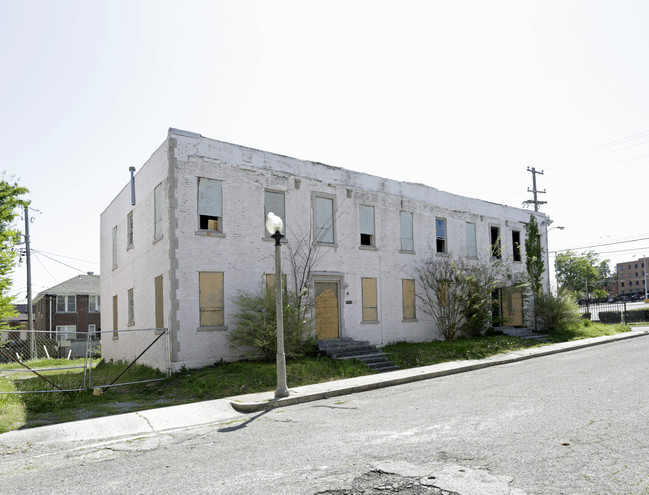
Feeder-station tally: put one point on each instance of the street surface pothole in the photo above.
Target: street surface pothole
(380, 482)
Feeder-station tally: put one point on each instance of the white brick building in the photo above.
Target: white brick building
(196, 237)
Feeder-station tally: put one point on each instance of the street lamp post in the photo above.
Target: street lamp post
(274, 225)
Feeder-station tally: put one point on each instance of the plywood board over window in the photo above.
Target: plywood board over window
(211, 299)
(408, 297)
(370, 306)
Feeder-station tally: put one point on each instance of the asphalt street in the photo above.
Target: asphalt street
(569, 423)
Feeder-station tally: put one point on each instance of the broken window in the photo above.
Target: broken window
(367, 225)
(408, 297)
(496, 250)
(211, 299)
(407, 243)
(440, 234)
(129, 230)
(516, 243)
(370, 308)
(210, 210)
(131, 308)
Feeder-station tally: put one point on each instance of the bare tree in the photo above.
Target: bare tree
(458, 295)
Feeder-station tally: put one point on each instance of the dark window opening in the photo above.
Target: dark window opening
(516, 241)
(209, 223)
(441, 245)
(496, 251)
(366, 240)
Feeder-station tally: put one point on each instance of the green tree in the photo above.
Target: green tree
(534, 262)
(10, 201)
(574, 271)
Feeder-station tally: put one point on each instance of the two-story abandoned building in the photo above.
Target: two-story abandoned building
(195, 237)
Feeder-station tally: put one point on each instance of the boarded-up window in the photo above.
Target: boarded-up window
(115, 321)
(408, 295)
(407, 243)
(367, 225)
(370, 308)
(159, 303)
(324, 220)
(471, 245)
(210, 212)
(211, 299)
(274, 202)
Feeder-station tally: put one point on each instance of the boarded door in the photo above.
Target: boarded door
(326, 310)
(512, 306)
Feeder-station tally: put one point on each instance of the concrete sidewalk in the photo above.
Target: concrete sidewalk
(171, 418)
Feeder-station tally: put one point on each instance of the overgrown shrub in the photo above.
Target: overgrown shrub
(557, 312)
(458, 295)
(636, 315)
(256, 324)
(610, 316)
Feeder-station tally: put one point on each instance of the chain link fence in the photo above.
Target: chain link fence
(39, 361)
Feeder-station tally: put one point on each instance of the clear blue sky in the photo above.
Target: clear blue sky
(461, 95)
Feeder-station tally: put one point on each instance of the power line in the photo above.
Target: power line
(601, 245)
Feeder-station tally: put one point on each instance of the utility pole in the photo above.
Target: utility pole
(534, 190)
(30, 312)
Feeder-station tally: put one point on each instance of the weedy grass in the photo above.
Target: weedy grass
(228, 379)
(410, 355)
(586, 329)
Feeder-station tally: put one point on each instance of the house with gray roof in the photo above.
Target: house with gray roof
(69, 310)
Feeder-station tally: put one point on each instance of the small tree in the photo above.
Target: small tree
(534, 261)
(10, 200)
(457, 295)
(256, 324)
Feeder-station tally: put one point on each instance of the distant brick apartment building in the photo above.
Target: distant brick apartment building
(631, 276)
(69, 310)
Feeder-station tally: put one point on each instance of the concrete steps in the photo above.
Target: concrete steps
(363, 351)
(525, 333)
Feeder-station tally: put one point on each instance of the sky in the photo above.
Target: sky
(464, 96)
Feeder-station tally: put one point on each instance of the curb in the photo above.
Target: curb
(393, 378)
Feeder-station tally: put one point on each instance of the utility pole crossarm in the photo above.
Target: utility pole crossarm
(534, 190)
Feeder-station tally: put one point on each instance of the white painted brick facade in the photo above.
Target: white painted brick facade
(245, 254)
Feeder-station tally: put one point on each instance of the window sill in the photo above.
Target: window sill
(326, 244)
(210, 233)
(370, 322)
(157, 239)
(406, 252)
(129, 247)
(368, 248)
(219, 328)
(409, 320)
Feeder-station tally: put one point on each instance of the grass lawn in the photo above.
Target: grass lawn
(228, 379)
